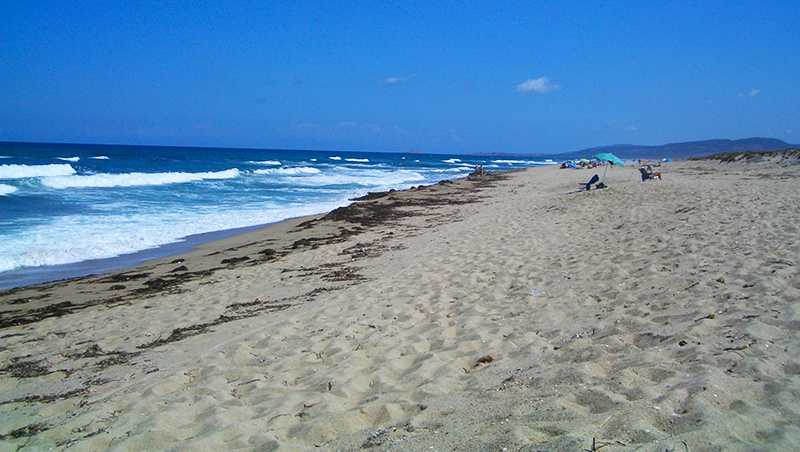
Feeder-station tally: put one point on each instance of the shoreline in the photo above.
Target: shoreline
(504, 312)
(53, 274)
(203, 252)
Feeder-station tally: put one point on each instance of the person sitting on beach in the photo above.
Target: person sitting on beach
(648, 173)
(653, 174)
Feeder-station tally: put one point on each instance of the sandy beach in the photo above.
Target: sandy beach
(503, 313)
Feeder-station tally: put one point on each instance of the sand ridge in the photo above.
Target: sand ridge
(517, 315)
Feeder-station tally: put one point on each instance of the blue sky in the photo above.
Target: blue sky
(383, 76)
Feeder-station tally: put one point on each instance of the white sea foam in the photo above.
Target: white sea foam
(69, 159)
(525, 162)
(450, 160)
(369, 165)
(296, 171)
(104, 180)
(452, 170)
(313, 160)
(265, 162)
(358, 160)
(101, 157)
(5, 156)
(7, 189)
(24, 171)
(115, 223)
(340, 175)
(509, 162)
(74, 238)
(335, 158)
(363, 178)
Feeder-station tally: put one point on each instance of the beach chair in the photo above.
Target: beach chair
(588, 185)
(648, 173)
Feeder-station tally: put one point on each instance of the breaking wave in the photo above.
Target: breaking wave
(453, 170)
(525, 162)
(134, 179)
(265, 162)
(69, 159)
(296, 171)
(25, 171)
(358, 160)
(101, 157)
(77, 238)
(335, 158)
(7, 189)
(360, 178)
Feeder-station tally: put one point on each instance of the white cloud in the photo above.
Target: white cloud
(539, 85)
(397, 79)
(754, 92)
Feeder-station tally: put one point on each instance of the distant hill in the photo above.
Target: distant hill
(685, 149)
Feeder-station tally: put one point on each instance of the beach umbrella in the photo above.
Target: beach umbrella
(610, 158)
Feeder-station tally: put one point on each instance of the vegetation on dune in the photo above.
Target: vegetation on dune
(725, 157)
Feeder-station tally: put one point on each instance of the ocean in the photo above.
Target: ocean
(69, 210)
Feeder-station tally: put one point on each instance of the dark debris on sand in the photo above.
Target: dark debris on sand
(366, 212)
(24, 432)
(20, 368)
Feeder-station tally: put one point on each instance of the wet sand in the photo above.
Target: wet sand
(504, 312)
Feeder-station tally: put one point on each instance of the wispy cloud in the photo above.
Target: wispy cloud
(397, 79)
(541, 85)
(752, 92)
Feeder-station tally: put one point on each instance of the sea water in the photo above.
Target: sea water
(67, 209)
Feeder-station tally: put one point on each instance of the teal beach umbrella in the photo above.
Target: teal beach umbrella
(610, 158)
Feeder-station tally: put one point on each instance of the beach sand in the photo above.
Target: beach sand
(506, 313)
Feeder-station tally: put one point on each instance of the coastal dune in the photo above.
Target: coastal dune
(506, 311)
